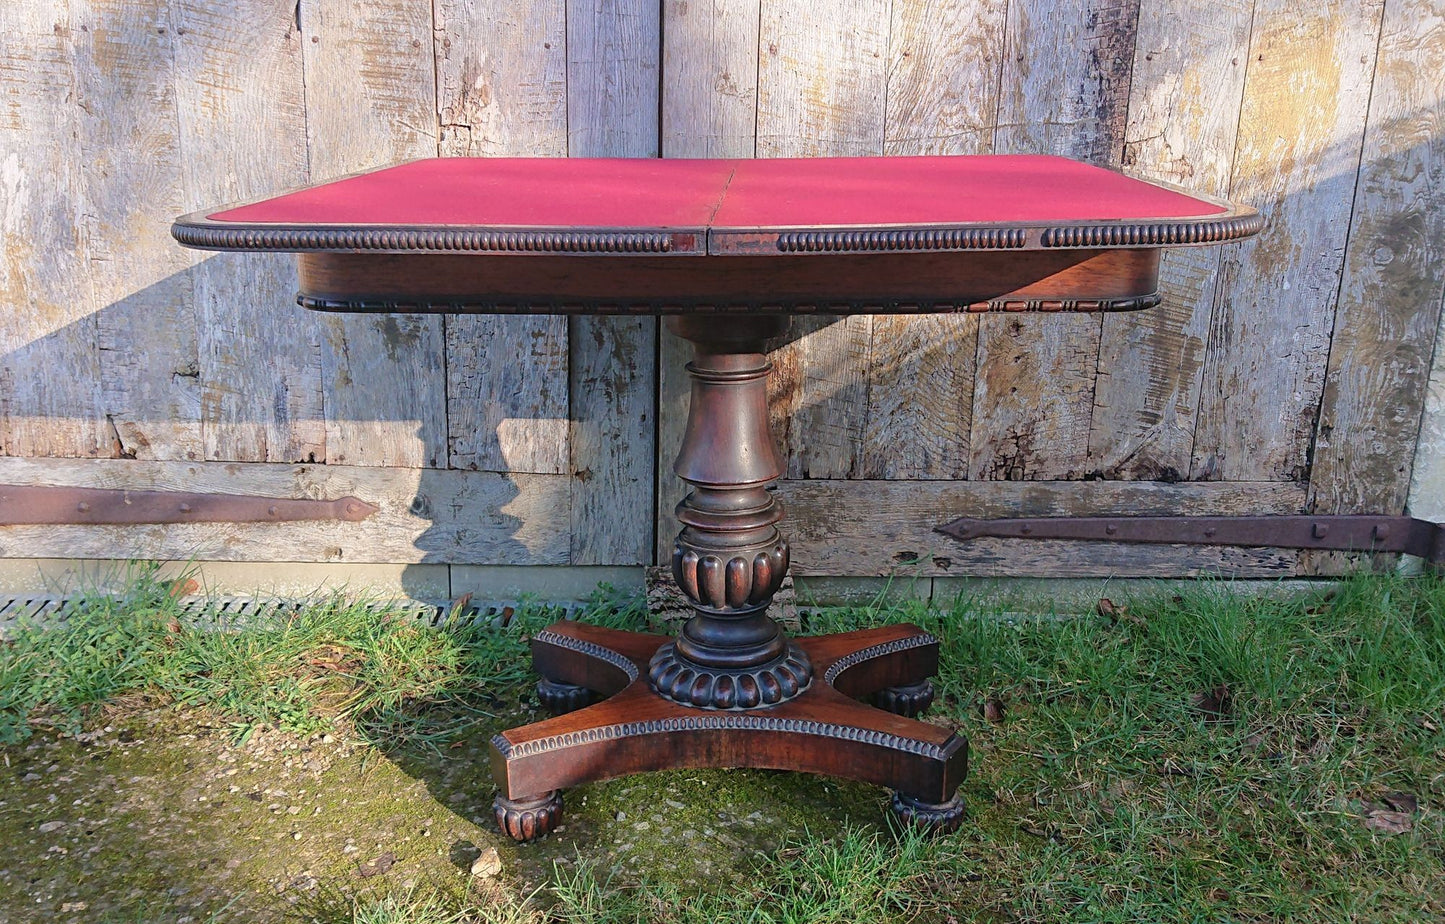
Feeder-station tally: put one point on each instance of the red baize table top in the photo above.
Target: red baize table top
(918, 233)
(854, 192)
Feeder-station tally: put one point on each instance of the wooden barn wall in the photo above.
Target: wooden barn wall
(1283, 374)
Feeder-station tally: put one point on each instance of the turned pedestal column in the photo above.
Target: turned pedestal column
(732, 690)
(729, 558)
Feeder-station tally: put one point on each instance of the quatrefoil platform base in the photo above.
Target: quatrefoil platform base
(827, 728)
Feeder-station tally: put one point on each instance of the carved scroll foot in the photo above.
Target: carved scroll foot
(911, 700)
(527, 820)
(934, 817)
(562, 698)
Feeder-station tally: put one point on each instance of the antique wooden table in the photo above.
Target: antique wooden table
(727, 250)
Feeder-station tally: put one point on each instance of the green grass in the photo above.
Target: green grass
(1204, 756)
(341, 661)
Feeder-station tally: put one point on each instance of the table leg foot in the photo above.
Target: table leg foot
(825, 729)
(562, 698)
(909, 700)
(934, 817)
(527, 820)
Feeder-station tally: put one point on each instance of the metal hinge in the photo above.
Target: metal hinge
(1350, 533)
(33, 505)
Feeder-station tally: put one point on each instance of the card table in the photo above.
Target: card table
(727, 251)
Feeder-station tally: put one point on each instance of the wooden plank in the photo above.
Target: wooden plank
(1064, 90)
(138, 284)
(502, 90)
(612, 439)
(942, 98)
(240, 100)
(1032, 395)
(371, 101)
(886, 527)
(613, 56)
(1189, 67)
(822, 88)
(920, 397)
(1300, 132)
(47, 321)
(425, 515)
(1427, 480)
(943, 76)
(501, 73)
(822, 78)
(1065, 83)
(1394, 276)
(507, 393)
(709, 109)
(709, 76)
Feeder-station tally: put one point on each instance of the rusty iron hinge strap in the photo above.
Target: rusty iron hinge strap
(1351, 533)
(45, 505)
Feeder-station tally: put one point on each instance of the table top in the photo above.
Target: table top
(678, 207)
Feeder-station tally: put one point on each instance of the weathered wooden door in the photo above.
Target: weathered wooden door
(1284, 374)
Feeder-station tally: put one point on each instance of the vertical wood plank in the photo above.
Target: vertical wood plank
(1188, 78)
(613, 60)
(1394, 274)
(1064, 90)
(920, 397)
(139, 287)
(371, 101)
(1029, 398)
(502, 85)
(46, 322)
(822, 87)
(709, 109)
(1300, 133)
(944, 60)
(709, 78)
(942, 98)
(1427, 479)
(242, 114)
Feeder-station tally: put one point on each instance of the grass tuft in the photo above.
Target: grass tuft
(341, 661)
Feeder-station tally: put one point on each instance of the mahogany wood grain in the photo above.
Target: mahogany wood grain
(824, 730)
(876, 283)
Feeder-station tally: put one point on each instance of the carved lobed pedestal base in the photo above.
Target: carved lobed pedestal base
(824, 729)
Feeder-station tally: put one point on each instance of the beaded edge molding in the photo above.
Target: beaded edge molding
(1154, 235)
(590, 649)
(554, 306)
(883, 649)
(916, 239)
(716, 721)
(453, 241)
